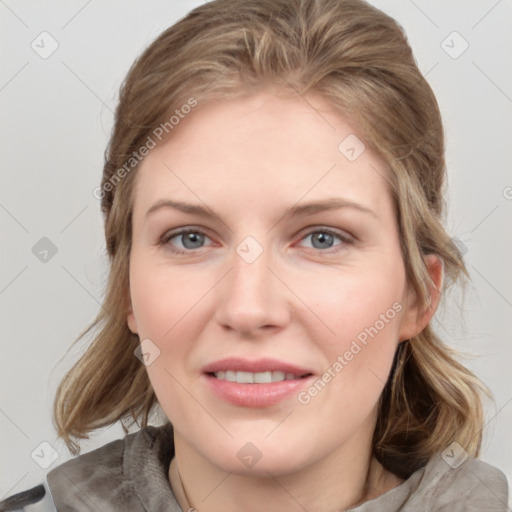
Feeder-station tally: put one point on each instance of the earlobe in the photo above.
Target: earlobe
(416, 318)
(132, 324)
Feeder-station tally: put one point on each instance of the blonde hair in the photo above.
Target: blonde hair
(357, 58)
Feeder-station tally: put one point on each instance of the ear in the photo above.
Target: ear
(130, 319)
(415, 318)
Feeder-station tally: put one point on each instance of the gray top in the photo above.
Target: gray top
(132, 474)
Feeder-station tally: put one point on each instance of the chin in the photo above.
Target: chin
(256, 456)
(275, 465)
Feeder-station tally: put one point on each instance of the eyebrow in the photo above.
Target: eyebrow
(291, 212)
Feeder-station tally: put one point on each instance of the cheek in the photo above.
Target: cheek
(363, 314)
(165, 303)
(353, 302)
(168, 304)
(162, 298)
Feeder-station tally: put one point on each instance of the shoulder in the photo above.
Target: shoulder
(100, 479)
(447, 483)
(88, 476)
(108, 475)
(466, 485)
(37, 499)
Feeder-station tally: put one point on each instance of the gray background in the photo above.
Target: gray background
(56, 117)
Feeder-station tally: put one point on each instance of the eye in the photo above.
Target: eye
(325, 238)
(189, 239)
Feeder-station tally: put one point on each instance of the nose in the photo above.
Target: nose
(252, 299)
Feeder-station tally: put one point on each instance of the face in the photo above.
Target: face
(263, 250)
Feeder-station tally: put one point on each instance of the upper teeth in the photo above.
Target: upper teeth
(258, 377)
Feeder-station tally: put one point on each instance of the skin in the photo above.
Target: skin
(301, 301)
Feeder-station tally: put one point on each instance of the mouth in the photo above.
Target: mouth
(254, 383)
(265, 377)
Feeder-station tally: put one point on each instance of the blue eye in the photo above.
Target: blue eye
(190, 239)
(325, 238)
(322, 239)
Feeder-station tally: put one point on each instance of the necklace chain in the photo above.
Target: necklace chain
(187, 501)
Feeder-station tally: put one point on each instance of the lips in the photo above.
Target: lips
(255, 378)
(258, 365)
(258, 383)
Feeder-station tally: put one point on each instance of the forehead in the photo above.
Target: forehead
(262, 149)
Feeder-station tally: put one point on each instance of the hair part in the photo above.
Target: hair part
(229, 48)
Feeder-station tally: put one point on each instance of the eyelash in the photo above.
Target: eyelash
(345, 239)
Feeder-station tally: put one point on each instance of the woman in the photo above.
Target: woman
(273, 207)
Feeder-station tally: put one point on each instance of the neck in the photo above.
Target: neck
(338, 482)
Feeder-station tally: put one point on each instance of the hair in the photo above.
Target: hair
(359, 60)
